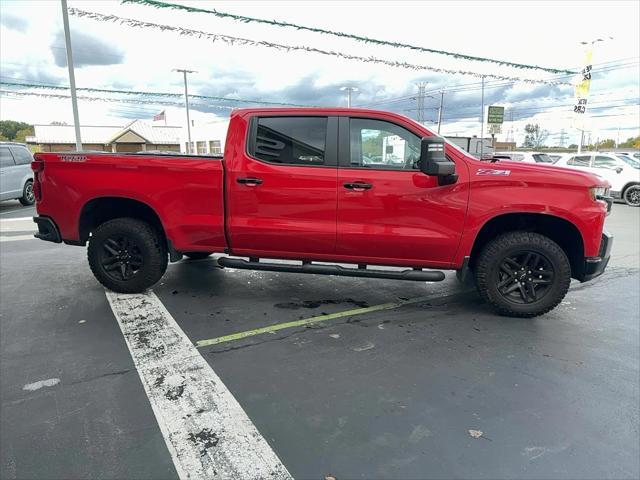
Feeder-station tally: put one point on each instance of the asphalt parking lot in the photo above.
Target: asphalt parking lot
(377, 379)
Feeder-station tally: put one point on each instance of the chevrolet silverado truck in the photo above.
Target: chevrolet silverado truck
(331, 191)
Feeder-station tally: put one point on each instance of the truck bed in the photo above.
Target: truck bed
(185, 192)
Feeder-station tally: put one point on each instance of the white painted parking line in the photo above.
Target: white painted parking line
(20, 219)
(205, 429)
(15, 238)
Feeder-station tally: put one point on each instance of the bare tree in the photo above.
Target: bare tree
(535, 136)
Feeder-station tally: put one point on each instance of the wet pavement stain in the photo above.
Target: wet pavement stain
(317, 303)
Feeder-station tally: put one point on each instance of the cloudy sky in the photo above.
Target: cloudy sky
(114, 56)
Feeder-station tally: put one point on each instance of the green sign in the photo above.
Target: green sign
(496, 115)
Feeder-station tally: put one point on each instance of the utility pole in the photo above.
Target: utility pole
(186, 102)
(581, 141)
(72, 77)
(349, 90)
(421, 87)
(440, 110)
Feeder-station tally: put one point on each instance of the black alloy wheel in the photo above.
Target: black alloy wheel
(121, 257)
(525, 277)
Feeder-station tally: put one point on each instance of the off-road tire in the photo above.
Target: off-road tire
(491, 258)
(197, 255)
(149, 242)
(28, 197)
(631, 195)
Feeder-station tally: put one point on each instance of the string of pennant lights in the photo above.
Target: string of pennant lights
(147, 94)
(350, 36)
(231, 40)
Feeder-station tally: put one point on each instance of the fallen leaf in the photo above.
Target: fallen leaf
(475, 433)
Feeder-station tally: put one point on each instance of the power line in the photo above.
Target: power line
(245, 19)
(144, 93)
(473, 86)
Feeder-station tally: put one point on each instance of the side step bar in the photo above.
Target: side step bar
(308, 267)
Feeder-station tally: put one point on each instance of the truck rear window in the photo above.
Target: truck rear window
(291, 140)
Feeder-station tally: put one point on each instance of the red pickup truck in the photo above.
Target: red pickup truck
(341, 186)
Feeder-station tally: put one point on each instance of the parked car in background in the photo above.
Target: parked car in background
(16, 177)
(527, 157)
(624, 178)
(630, 158)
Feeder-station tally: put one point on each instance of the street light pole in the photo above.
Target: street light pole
(186, 102)
(349, 90)
(72, 77)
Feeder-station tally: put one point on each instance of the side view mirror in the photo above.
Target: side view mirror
(619, 169)
(433, 161)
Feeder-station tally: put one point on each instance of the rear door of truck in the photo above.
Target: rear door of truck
(282, 189)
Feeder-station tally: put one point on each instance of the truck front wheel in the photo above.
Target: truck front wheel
(523, 274)
(127, 255)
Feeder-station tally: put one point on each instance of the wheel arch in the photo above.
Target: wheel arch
(102, 209)
(558, 229)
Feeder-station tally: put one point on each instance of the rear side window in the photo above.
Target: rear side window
(604, 162)
(542, 158)
(21, 155)
(580, 160)
(6, 159)
(291, 140)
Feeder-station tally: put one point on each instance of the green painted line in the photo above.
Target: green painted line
(312, 320)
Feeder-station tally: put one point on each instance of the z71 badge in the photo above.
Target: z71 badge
(492, 171)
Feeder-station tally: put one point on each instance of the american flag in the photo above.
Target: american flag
(160, 116)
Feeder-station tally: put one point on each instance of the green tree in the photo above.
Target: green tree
(22, 134)
(607, 143)
(10, 128)
(631, 142)
(535, 136)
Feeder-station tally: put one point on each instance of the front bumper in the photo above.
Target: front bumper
(594, 266)
(47, 230)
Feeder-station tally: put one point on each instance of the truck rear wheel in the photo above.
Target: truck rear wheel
(127, 255)
(523, 274)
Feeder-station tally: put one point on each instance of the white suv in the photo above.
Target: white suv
(16, 177)
(527, 157)
(624, 179)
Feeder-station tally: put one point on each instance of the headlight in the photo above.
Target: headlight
(598, 193)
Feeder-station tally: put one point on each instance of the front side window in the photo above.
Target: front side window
(291, 140)
(6, 159)
(605, 162)
(383, 145)
(580, 160)
(201, 148)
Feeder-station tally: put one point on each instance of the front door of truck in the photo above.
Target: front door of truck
(281, 191)
(388, 211)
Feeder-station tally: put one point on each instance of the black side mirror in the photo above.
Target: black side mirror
(433, 161)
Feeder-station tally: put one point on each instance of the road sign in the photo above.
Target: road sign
(495, 115)
(495, 128)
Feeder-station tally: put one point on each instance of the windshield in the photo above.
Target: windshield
(542, 158)
(630, 161)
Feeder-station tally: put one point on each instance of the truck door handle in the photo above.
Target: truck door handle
(249, 181)
(358, 186)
